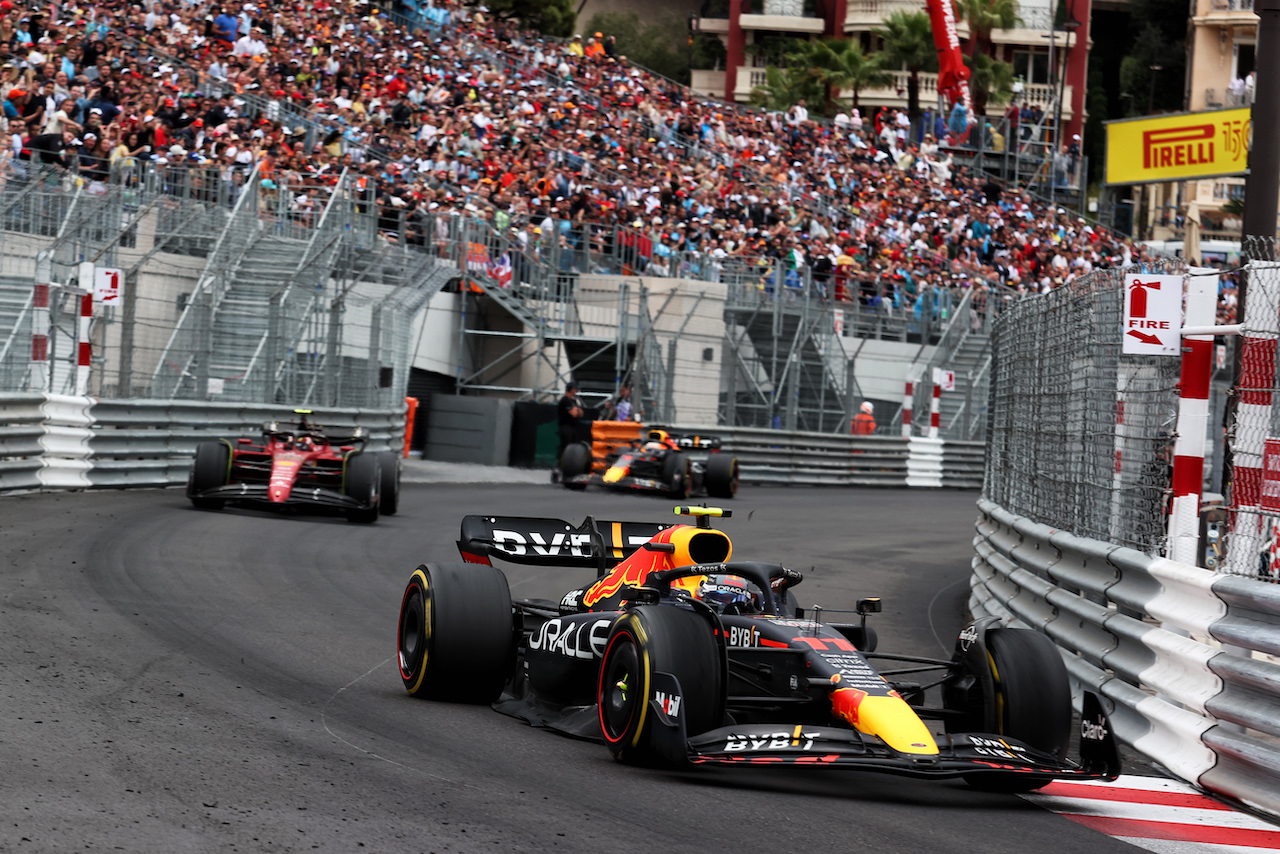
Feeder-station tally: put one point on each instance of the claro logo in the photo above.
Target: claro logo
(1093, 730)
(1184, 146)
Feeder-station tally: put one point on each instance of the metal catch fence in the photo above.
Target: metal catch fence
(1081, 436)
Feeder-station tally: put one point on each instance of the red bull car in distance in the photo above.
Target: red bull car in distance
(676, 654)
(296, 465)
(658, 463)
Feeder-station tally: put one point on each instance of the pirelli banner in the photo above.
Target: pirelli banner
(1178, 147)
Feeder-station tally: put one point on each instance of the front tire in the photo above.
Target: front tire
(389, 500)
(1033, 700)
(677, 473)
(721, 476)
(456, 636)
(575, 461)
(643, 642)
(363, 482)
(210, 469)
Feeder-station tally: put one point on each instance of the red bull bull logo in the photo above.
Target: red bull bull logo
(690, 546)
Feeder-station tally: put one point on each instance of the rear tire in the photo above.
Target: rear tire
(1033, 700)
(677, 473)
(575, 461)
(721, 476)
(210, 469)
(456, 637)
(642, 642)
(389, 500)
(363, 482)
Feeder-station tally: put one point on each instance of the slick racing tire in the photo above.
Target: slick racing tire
(721, 477)
(363, 482)
(389, 499)
(575, 461)
(1033, 700)
(211, 469)
(677, 473)
(643, 642)
(456, 636)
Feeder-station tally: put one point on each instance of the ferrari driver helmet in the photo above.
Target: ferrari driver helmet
(727, 594)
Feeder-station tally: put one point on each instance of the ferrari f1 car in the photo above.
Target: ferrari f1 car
(675, 654)
(659, 463)
(297, 464)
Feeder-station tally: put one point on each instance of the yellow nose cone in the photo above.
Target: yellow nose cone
(890, 718)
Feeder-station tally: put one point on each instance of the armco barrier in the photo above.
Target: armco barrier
(1181, 654)
(824, 459)
(62, 442)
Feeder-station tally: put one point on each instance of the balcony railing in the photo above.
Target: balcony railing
(895, 94)
(1231, 5)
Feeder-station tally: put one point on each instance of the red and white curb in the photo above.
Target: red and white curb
(1161, 815)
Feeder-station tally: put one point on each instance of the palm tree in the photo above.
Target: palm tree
(784, 87)
(842, 64)
(908, 42)
(984, 16)
(989, 80)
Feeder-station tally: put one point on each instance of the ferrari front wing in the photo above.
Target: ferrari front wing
(301, 494)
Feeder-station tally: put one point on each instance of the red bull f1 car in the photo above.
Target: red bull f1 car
(677, 654)
(297, 465)
(659, 463)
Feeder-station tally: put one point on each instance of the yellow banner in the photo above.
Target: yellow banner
(1177, 148)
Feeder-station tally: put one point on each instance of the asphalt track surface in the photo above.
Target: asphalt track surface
(177, 680)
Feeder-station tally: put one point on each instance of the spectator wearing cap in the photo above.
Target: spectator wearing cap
(575, 46)
(13, 103)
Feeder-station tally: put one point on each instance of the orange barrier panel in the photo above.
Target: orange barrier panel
(608, 436)
(412, 404)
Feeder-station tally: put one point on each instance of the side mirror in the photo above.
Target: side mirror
(869, 606)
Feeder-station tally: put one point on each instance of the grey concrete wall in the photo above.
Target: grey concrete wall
(469, 430)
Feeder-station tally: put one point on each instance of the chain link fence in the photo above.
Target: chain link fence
(232, 287)
(1253, 437)
(1081, 436)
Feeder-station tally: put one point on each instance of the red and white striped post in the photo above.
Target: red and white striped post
(1252, 422)
(1193, 420)
(935, 405)
(84, 351)
(908, 398)
(39, 376)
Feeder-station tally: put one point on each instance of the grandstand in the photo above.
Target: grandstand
(496, 214)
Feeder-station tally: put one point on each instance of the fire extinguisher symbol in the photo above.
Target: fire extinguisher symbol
(1138, 297)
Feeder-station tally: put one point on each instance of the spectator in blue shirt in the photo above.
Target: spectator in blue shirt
(225, 27)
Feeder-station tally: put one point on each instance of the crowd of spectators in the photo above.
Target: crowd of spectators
(550, 143)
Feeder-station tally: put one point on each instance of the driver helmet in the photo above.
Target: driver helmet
(726, 593)
(661, 437)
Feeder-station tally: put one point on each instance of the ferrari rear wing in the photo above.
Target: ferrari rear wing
(553, 542)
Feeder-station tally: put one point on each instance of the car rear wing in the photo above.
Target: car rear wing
(697, 443)
(553, 542)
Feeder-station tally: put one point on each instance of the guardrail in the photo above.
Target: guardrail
(1181, 655)
(51, 441)
(776, 457)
